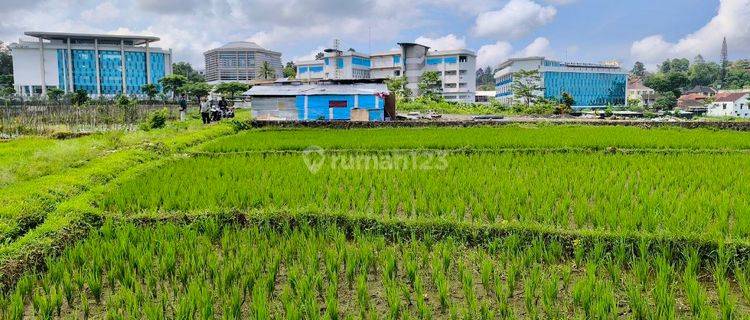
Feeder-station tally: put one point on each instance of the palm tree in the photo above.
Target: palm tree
(266, 71)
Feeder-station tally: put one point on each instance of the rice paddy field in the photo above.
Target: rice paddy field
(528, 221)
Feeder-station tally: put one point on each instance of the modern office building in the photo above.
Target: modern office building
(456, 68)
(105, 65)
(591, 85)
(240, 61)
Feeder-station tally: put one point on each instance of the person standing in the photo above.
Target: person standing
(205, 109)
(183, 108)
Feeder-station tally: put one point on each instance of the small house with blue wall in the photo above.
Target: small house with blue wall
(319, 102)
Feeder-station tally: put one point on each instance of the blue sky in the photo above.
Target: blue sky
(580, 30)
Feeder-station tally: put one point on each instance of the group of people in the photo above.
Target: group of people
(210, 108)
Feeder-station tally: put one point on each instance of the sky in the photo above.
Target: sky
(570, 30)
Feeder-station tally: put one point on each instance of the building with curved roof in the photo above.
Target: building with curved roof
(240, 61)
(99, 64)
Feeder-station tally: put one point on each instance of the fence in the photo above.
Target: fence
(23, 119)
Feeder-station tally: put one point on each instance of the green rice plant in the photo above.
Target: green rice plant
(664, 293)
(696, 296)
(16, 308)
(85, 308)
(637, 301)
(423, 310)
(550, 291)
(393, 298)
(363, 297)
(441, 283)
(467, 284)
(593, 296)
(43, 306)
(743, 280)
(332, 303)
(487, 274)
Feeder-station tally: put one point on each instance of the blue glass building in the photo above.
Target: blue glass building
(591, 85)
(98, 64)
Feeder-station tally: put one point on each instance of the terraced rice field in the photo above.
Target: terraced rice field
(510, 222)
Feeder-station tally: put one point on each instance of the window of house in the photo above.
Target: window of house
(724, 106)
(462, 59)
(397, 73)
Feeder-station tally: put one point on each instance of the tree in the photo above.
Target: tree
(149, 90)
(266, 71)
(430, 86)
(6, 60)
(702, 73)
(669, 82)
(398, 87)
(724, 62)
(737, 79)
(7, 91)
(667, 101)
(172, 83)
(79, 97)
(186, 70)
(290, 70)
(486, 78)
(568, 100)
(231, 88)
(526, 85)
(639, 70)
(196, 89)
(54, 94)
(680, 65)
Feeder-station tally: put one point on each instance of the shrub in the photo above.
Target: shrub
(155, 120)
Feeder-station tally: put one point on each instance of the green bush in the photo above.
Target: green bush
(155, 120)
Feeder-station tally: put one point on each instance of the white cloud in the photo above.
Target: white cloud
(311, 55)
(539, 47)
(517, 19)
(497, 53)
(102, 12)
(448, 42)
(561, 2)
(493, 54)
(731, 22)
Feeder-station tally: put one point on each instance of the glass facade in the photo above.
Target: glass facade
(588, 89)
(84, 70)
(62, 69)
(110, 63)
(158, 68)
(135, 71)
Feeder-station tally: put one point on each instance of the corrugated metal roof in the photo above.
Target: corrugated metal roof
(319, 89)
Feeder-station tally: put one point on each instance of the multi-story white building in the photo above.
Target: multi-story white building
(98, 64)
(240, 61)
(456, 68)
(591, 85)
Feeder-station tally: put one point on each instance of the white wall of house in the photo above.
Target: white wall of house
(739, 108)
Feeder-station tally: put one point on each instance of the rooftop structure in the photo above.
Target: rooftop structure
(100, 64)
(241, 61)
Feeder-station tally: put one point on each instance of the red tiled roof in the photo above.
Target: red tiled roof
(730, 97)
